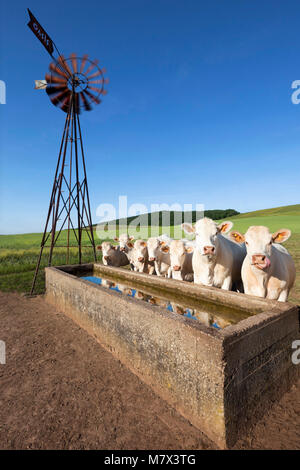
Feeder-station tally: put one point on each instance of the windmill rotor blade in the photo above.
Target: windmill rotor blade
(64, 64)
(84, 59)
(74, 62)
(57, 99)
(94, 75)
(93, 97)
(66, 104)
(86, 104)
(53, 79)
(54, 68)
(55, 89)
(91, 67)
(97, 90)
(99, 82)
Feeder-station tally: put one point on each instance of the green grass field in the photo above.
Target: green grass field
(19, 253)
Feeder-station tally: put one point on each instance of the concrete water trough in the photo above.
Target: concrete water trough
(220, 358)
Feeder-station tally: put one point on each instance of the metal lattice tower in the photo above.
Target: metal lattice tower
(72, 84)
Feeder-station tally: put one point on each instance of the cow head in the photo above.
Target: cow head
(123, 240)
(178, 250)
(154, 244)
(140, 247)
(259, 241)
(107, 252)
(207, 234)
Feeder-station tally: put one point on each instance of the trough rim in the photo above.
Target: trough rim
(273, 309)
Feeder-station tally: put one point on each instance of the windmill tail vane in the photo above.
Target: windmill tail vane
(74, 85)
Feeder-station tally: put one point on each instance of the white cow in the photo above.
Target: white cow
(158, 255)
(112, 256)
(268, 269)
(124, 239)
(217, 261)
(181, 254)
(138, 256)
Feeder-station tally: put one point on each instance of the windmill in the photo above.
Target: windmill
(74, 85)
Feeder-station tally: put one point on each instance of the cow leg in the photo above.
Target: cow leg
(151, 270)
(227, 283)
(239, 287)
(283, 296)
(157, 268)
(198, 280)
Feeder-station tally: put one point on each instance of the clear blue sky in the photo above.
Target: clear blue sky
(198, 111)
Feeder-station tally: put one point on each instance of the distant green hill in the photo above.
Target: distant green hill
(274, 219)
(283, 210)
(174, 217)
(158, 218)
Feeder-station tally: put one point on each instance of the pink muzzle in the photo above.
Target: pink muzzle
(261, 262)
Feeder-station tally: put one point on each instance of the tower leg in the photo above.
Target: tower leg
(77, 180)
(52, 199)
(89, 215)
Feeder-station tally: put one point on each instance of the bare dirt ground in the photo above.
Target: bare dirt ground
(59, 389)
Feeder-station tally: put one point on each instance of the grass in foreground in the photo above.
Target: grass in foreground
(17, 266)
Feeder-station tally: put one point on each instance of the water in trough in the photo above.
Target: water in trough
(205, 312)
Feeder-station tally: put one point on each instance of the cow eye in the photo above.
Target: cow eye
(246, 243)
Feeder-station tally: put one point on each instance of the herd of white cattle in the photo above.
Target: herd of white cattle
(255, 263)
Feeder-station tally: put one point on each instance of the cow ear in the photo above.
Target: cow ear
(189, 249)
(162, 243)
(188, 228)
(131, 238)
(224, 227)
(116, 239)
(113, 247)
(281, 235)
(237, 237)
(99, 247)
(143, 243)
(130, 245)
(165, 249)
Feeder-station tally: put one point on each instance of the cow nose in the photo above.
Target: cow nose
(141, 259)
(152, 259)
(257, 259)
(176, 268)
(209, 250)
